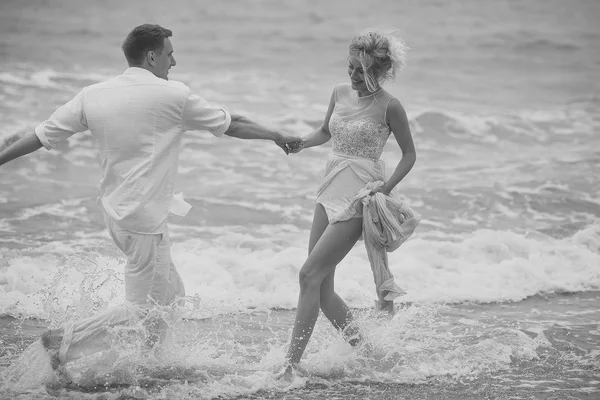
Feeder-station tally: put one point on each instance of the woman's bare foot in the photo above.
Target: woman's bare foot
(352, 335)
(288, 371)
(385, 306)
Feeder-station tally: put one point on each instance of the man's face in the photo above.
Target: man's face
(164, 61)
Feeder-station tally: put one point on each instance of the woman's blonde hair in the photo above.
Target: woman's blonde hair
(381, 56)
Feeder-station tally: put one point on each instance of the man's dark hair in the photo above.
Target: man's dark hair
(141, 40)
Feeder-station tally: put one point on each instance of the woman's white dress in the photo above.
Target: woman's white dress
(359, 131)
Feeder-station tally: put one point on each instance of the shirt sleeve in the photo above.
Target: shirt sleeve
(199, 115)
(64, 123)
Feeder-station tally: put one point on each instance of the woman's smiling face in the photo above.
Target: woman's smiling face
(356, 73)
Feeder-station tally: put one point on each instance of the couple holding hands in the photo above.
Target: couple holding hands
(138, 119)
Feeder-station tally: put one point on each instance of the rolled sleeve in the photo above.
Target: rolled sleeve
(41, 134)
(199, 115)
(64, 123)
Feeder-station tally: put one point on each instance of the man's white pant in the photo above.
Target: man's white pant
(150, 279)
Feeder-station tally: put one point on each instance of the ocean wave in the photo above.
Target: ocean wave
(526, 126)
(49, 78)
(526, 42)
(41, 79)
(440, 128)
(245, 270)
(546, 45)
(299, 114)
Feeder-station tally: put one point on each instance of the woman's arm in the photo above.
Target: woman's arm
(398, 123)
(316, 138)
(320, 135)
(242, 128)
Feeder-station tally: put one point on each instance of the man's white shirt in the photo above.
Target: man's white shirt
(137, 120)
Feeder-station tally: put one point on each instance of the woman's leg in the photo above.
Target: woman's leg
(332, 246)
(319, 224)
(332, 305)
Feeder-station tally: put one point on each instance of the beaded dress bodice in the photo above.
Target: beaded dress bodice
(358, 124)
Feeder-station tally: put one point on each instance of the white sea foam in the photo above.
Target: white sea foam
(70, 208)
(40, 79)
(242, 268)
(412, 347)
(49, 78)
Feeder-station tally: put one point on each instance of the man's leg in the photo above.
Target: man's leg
(165, 288)
(87, 336)
(150, 279)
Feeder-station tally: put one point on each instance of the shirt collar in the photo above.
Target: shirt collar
(138, 71)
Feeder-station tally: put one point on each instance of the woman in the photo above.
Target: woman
(360, 118)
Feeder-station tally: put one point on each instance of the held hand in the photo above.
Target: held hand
(295, 147)
(283, 147)
(286, 142)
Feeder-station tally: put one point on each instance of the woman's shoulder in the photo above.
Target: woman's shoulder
(389, 100)
(342, 88)
(394, 109)
(387, 96)
(341, 91)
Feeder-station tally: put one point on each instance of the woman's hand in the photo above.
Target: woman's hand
(286, 142)
(381, 189)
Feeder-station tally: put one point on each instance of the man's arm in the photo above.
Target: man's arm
(242, 128)
(198, 114)
(64, 123)
(27, 144)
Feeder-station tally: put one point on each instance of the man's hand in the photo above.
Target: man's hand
(283, 147)
(286, 142)
(296, 147)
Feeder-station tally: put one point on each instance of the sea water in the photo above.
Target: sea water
(502, 276)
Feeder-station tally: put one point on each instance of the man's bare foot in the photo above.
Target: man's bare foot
(51, 341)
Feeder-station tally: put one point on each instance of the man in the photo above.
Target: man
(138, 119)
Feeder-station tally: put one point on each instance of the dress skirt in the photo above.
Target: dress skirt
(343, 178)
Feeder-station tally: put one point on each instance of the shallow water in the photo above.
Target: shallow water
(543, 347)
(502, 275)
